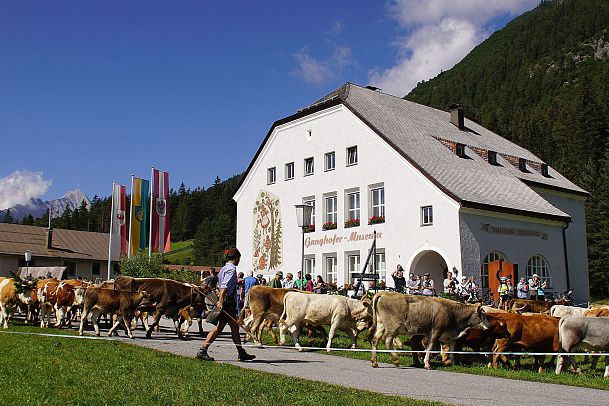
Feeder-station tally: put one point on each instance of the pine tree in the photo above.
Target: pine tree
(8, 217)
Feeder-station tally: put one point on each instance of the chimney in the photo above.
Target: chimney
(49, 238)
(49, 233)
(457, 117)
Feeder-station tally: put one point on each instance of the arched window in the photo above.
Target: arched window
(538, 265)
(493, 256)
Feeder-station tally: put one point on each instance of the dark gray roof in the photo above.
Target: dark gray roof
(415, 132)
(67, 244)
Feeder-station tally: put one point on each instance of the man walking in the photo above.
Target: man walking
(227, 304)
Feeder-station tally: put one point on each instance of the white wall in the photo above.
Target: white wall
(406, 190)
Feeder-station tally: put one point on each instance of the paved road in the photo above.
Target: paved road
(448, 387)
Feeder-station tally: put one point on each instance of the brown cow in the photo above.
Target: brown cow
(67, 296)
(440, 320)
(47, 294)
(266, 303)
(11, 293)
(602, 312)
(536, 306)
(532, 332)
(116, 302)
(168, 296)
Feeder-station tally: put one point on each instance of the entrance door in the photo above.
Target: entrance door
(496, 270)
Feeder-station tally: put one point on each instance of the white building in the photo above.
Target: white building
(453, 196)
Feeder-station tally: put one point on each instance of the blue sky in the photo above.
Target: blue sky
(95, 91)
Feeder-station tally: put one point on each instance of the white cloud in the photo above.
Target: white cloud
(21, 186)
(316, 71)
(440, 34)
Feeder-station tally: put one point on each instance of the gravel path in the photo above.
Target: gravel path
(447, 387)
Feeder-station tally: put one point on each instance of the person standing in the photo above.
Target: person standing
(288, 282)
(276, 281)
(398, 279)
(522, 289)
(320, 285)
(248, 283)
(503, 293)
(309, 285)
(411, 284)
(240, 292)
(227, 304)
(533, 285)
(301, 282)
(541, 290)
(428, 286)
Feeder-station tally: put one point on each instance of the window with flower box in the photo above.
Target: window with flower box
(377, 204)
(353, 210)
(310, 202)
(331, 212)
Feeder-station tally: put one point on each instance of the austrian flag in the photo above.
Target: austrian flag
(118, 236)
(160, 212)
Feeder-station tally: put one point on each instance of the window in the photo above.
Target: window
(96, 270)
(492, 157)
(352, 266)
(71, 269)
(378, 202)
(460, 150)
(493, 256)
(351, 156)
(381, 265)
(289, 171)
(544, 170)
(331, 209)
(426, 215)
(330, 163)
(331, 269)
(309, 166)
(309, 266)
(311, 202)
(538, 265)
(353, 206)
(271, 176)
(522, 164)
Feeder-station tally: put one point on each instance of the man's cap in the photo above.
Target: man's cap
(279, 273)
(535, 275)
(426, 274)
(503, 278)
(259, 276)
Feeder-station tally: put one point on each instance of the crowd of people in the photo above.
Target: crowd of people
(466, 289)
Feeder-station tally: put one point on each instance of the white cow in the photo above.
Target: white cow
(339, 312)
(591, 333)
(563, 311)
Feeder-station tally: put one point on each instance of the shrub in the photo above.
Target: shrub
(352, 223)
(376, 220)
(329, 226)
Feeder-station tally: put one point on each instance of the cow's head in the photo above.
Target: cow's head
(79, 295)
(478, 318)
(24, 288)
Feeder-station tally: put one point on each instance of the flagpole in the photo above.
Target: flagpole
(111, 229)
(151, 193)
(130, 219)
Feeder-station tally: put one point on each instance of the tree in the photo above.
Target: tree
(8, 217)
(201, 247)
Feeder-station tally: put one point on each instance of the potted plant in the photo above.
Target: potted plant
(329, 225)
(309, 229)
(376, 220)
(352, 223)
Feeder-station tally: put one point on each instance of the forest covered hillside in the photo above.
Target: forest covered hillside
(543, 82)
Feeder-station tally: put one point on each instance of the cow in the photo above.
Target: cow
(483, 340)
(562, 311)
(12, 292)
(532, 332)
(187, 315)
(47, 294)
(592, 333)
(537, 306)
(339, 312)
(168, 296)
(266, 303)
(66, 297)
(439, 320)
(116, 302)
(603, 312)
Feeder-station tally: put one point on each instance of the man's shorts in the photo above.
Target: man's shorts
(230, 307)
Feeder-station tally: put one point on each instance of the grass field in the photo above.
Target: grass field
(588, 379)
(181, 253)
(65, 371)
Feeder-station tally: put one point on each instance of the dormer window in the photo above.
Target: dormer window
(492, 157)
(522, 164)
(460, 150)
(544, 170)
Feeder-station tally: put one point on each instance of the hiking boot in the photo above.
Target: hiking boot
(203, 356)
(244, 356)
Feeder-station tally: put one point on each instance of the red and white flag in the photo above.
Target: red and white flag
(118, 227)
(160, 240)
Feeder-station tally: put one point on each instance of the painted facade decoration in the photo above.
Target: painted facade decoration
(267, 236)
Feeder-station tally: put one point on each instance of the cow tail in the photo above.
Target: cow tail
(283, 314)
(372, 328)
(242, 311)
(560, 322)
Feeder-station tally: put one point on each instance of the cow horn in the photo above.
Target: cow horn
(519, 309)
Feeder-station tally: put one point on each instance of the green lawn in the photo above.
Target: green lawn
(181, 253)
(588, 379)
(66, 371)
